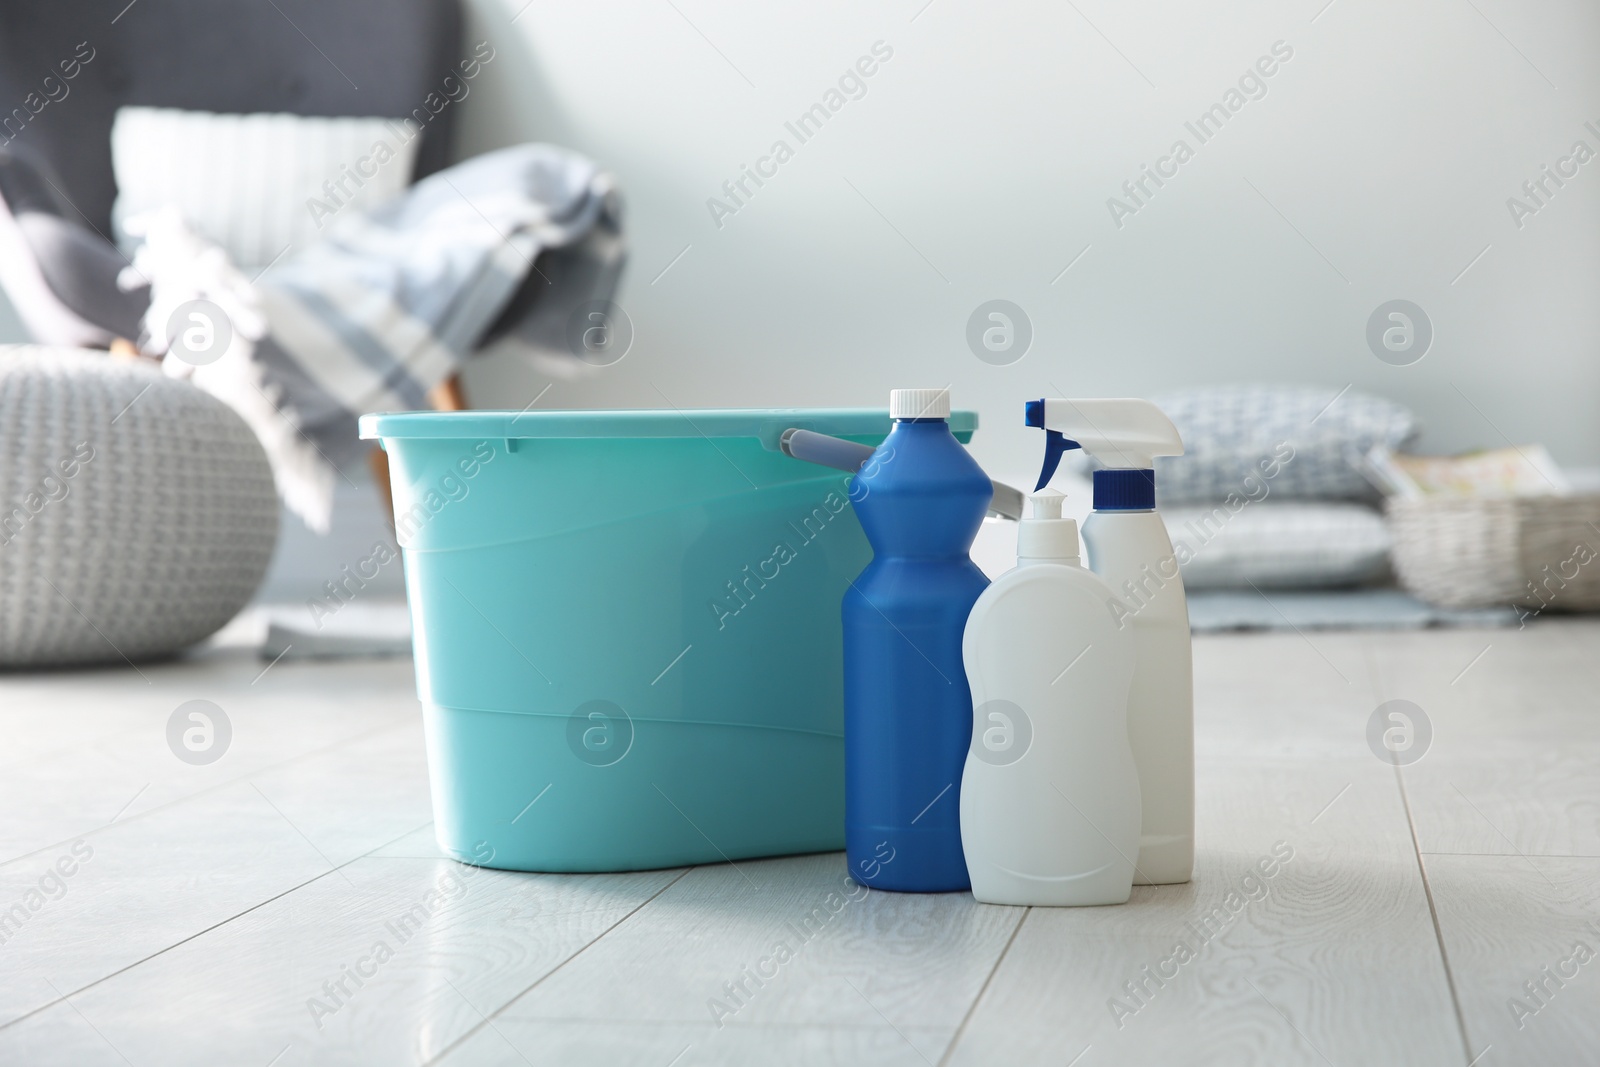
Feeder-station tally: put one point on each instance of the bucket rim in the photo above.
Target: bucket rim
(766, 424)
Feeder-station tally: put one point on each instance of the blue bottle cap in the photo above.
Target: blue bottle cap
(1124, 490)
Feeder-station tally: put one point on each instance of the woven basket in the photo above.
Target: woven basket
(1463, 552)
(137, 514)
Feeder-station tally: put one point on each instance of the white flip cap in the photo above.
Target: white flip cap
(1044, 536)
(919, 403)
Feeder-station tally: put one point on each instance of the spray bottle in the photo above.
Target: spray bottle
(1129, 547)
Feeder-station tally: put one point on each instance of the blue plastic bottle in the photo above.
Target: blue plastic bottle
(907, 709)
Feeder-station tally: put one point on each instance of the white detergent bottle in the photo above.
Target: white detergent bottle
(1129, 547)
(1050, 792)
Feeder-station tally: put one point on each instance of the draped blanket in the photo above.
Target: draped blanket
(376, 313)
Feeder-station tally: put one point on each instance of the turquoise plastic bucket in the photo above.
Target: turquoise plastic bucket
(627, 630)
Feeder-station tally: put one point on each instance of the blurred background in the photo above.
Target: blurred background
(985, 159)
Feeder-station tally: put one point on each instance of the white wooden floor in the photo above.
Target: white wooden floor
(217, 901)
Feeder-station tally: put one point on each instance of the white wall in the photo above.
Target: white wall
(979, 164)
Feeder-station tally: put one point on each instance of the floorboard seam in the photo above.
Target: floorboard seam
(1517, 855)
(1433, 913)
(489, 1018)
(208, 790)
(955, 1039)
(214, 926)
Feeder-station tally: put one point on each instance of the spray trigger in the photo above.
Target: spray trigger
(1056, 445)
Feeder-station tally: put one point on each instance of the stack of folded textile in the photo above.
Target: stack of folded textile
(1269, 494)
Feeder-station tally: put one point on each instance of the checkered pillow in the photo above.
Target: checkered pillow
(1298, 440)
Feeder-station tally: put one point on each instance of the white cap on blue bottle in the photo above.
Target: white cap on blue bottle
(919, 403)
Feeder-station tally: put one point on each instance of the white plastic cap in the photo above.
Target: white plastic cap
(919, 403)
(1047, 505)
(1044, 536)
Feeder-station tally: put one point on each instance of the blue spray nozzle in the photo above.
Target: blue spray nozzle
(1056, 443)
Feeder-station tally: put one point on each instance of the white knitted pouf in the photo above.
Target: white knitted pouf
(137, 513)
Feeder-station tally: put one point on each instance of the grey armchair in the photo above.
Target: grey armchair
(308, 57)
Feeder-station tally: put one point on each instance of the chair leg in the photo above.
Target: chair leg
(124, 349)
(378, 462)
(448, 395)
